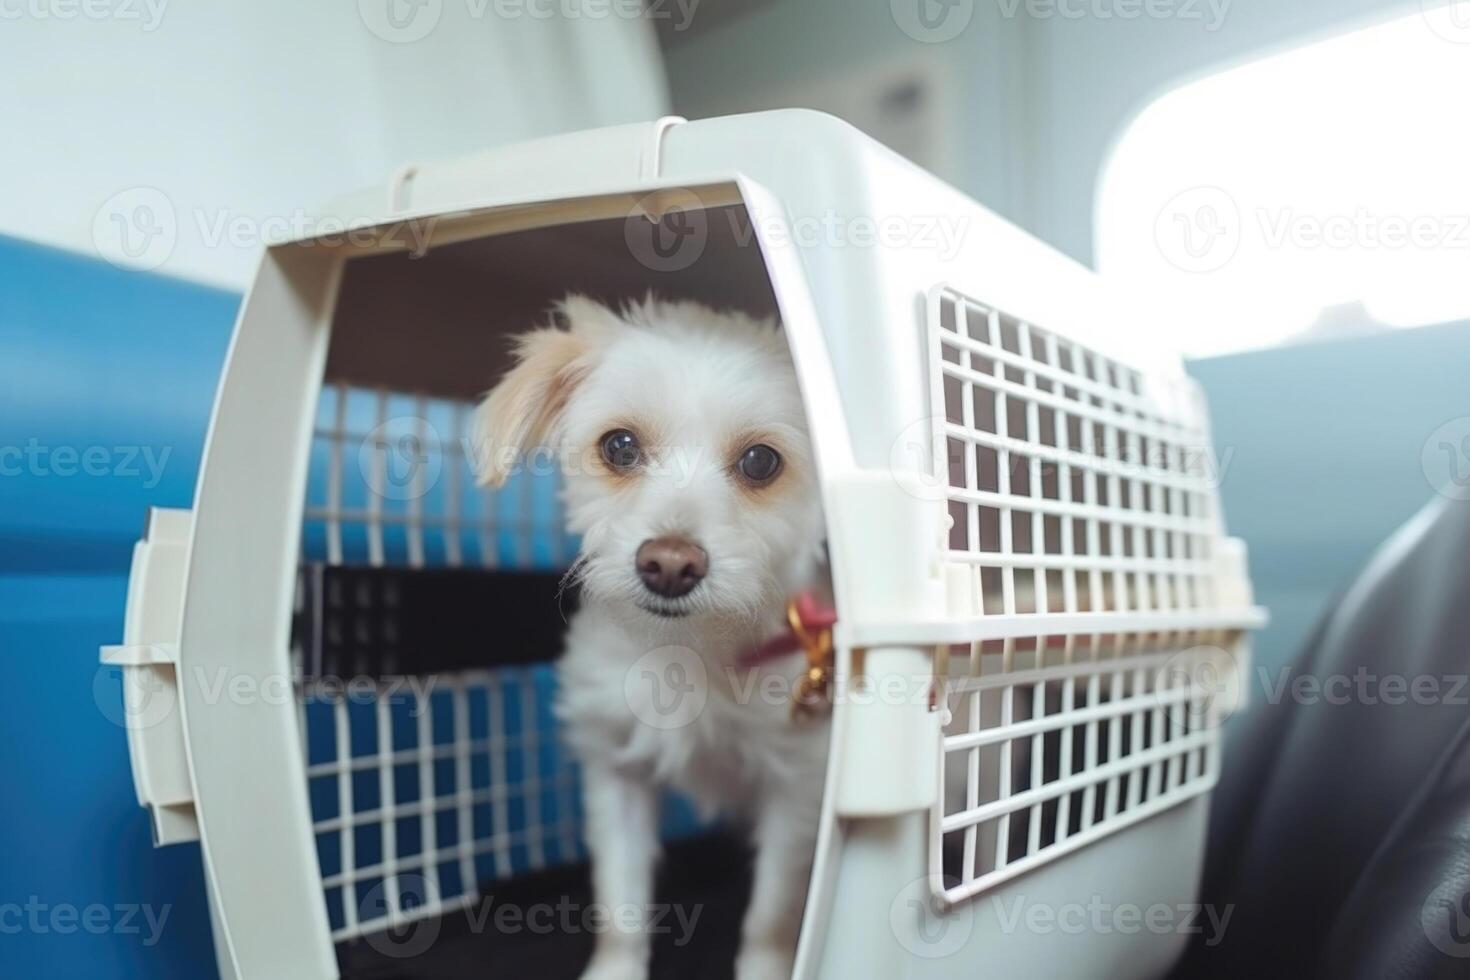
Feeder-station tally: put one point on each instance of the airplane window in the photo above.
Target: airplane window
(1317, 193)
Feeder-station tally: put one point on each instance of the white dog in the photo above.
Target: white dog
(689, 475)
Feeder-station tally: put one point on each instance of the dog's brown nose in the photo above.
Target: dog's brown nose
(671, 566)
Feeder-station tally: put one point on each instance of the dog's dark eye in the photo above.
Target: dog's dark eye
(620, 449)
(759, 464)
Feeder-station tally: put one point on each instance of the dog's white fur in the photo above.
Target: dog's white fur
(698, 386)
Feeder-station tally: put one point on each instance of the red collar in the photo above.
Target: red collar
(813, 618)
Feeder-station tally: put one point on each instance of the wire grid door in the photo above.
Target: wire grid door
(423, 787)
(1083, 533)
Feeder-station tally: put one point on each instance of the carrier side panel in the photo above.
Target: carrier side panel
(235, 675)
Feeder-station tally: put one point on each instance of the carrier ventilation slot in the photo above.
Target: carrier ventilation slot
(392, 484)
(387, 622)
(428, 610)
(1084, 540)
(424, 788)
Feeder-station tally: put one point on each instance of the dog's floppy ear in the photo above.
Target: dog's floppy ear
(521, 410)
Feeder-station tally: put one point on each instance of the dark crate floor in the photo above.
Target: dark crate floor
(710, 875)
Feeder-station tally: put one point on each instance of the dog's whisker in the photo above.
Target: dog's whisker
(574, 575)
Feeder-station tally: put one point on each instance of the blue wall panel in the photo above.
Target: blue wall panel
(106, 382)
(1321, 447)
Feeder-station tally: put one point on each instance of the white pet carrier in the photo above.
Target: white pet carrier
(336, 664)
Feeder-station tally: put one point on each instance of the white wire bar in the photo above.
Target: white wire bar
(1084, 528)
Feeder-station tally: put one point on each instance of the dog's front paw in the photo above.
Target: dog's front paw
(617, 962)
(760, 961)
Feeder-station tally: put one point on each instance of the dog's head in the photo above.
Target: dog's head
(681, 433)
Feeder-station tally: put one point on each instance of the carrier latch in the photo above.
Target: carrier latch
(149, 661)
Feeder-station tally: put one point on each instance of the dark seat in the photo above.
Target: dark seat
(1343, 821)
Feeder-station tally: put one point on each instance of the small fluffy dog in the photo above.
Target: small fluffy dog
(689, 475)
